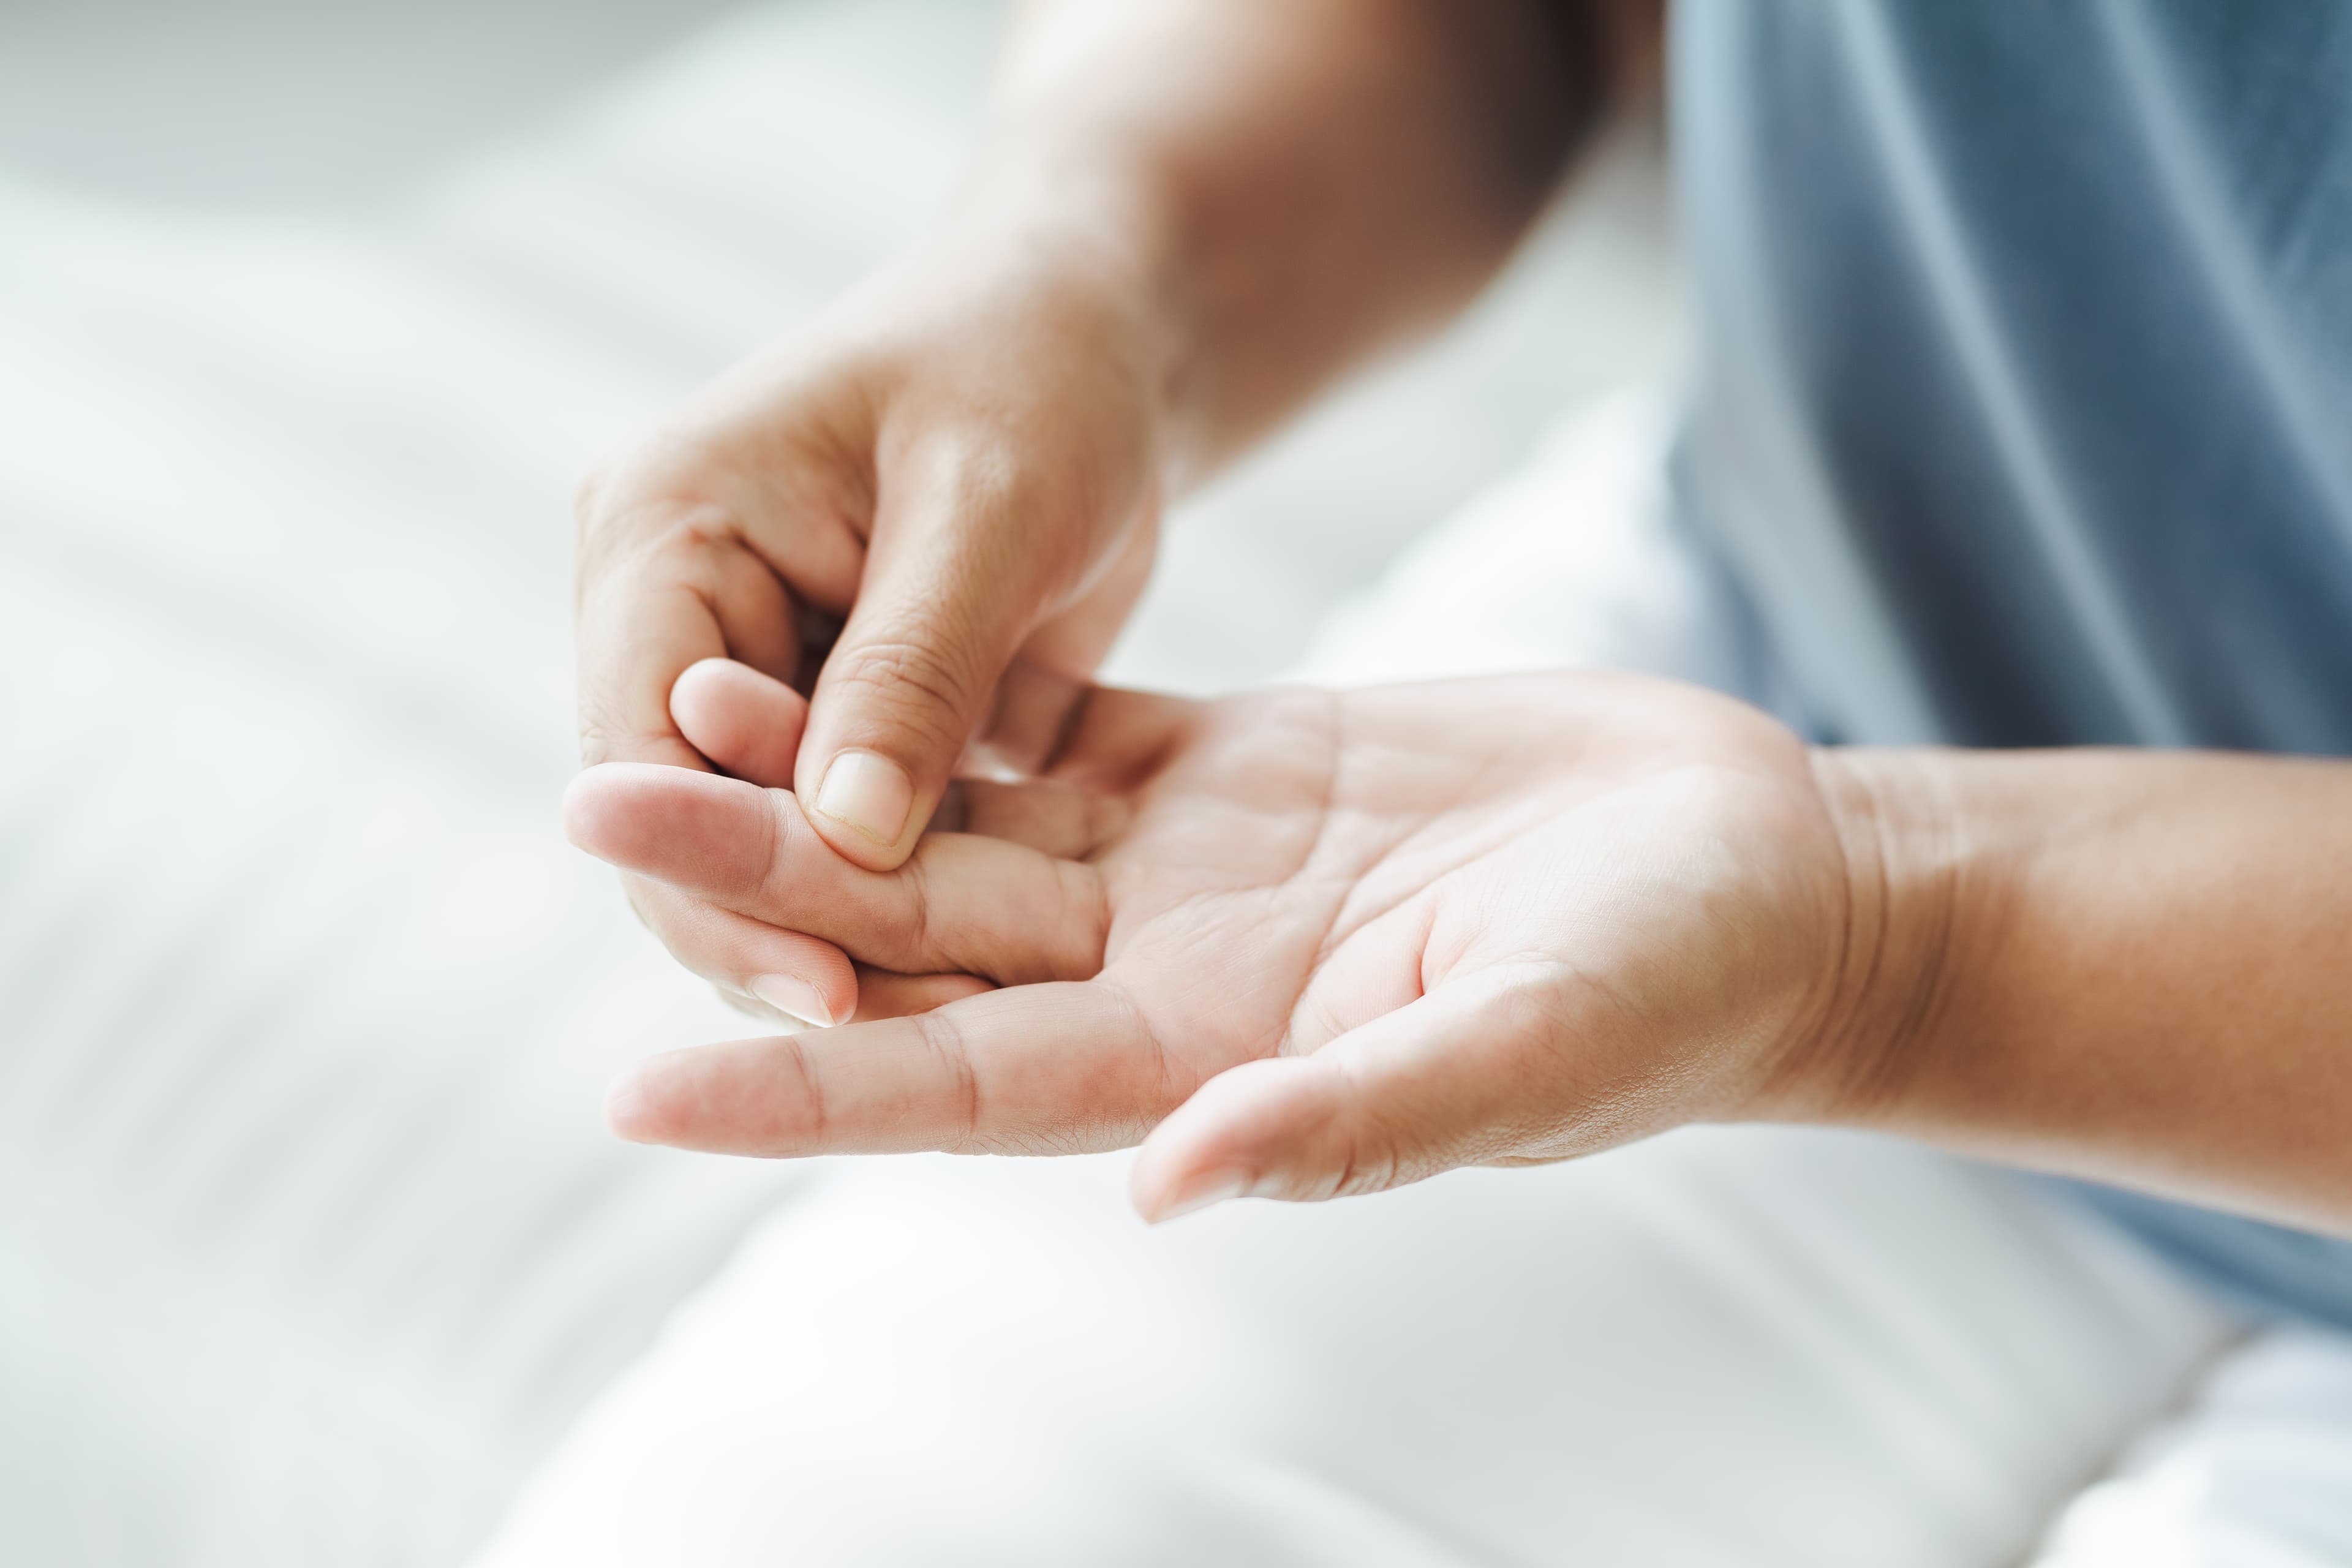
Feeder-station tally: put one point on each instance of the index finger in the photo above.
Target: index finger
(1059, 1069)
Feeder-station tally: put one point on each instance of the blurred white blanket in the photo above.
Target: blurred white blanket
(1764, 1348)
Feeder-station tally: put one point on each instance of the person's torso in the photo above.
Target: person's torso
(2024, 408)
(2024, 413)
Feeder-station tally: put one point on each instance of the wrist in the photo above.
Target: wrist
(1095, 237)
(1899, 971)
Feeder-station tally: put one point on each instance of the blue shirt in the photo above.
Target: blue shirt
(2025, 407)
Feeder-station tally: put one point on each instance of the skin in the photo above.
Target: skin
(1356, 938)
(1188, 217)
(1306, 943)
(2134, 966)
(1298, 943)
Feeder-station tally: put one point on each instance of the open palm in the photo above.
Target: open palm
(1324, 942)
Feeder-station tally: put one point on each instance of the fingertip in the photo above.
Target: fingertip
(802, 1000)
(679, 1099)
(602, 803)
(735, 1097)
(746, 722)
(680, 825)
(1255, 1130)
(1161, 1199)
(587, 803)
(1199, 1155)
(698, 684)
(633, 1111)
(814, 980)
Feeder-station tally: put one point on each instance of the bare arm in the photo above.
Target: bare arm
(2132, 967)
(1298, 184)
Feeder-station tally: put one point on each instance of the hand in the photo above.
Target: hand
(961, 461)
(1311, 944)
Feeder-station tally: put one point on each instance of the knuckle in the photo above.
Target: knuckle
(600, 741)
(1368, 1144)
(607, 736)
(767, 869)
(1070, 473)
(995, 480)
(981, 466)
(588, 496)
(914, 930)
(673, 541)
(816, 1118)
(925, 686)
(1369, 1165)
(664, 478)
(946, 1040)
(605, 487)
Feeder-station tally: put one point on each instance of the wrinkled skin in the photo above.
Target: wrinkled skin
(1322, 943)
(953, 467)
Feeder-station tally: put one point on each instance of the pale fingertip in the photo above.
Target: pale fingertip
(697, 684)
(630, 1112)
(793, 997)
(740, 717)
(603, 807)
(582, 808)
(1192, 1196)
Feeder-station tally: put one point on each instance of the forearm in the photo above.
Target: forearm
(2130, 966)
(1290, 186)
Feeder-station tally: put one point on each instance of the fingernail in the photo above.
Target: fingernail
(790, 994)
(1212, 1189)
(869, 793)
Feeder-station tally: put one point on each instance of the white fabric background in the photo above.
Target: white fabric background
(1720, 1348)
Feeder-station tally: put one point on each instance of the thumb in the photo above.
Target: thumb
(1414, 1092)
(955, 577)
